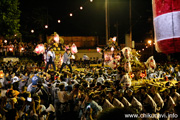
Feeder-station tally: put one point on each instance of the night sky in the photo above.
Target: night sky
(91, 20)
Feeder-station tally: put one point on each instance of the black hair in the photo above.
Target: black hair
(62, 78)
(92, 85)
(11, 114)
(91, 95)
(144, 88)
(85, 84)
(61, 86)
(98, 84)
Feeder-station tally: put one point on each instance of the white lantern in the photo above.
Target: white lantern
(112, 49)
(56, 38)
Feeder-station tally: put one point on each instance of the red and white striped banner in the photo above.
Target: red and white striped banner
(167, 25)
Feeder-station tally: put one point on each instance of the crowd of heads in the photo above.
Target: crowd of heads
(27, 92)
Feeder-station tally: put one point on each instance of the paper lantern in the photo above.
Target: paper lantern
(39, 49)
(114, 39)
(151, 64)
(98, 49)
(112, 49)
(11, 49)
(56, 38)
(1, 74)
(74, 48)
(167, 25)
(126, 52)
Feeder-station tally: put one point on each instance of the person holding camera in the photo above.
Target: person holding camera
(50, 59)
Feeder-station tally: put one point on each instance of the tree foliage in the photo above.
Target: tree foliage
(9, 18)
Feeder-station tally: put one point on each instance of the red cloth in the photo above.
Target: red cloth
(166, 6)
(171, 44)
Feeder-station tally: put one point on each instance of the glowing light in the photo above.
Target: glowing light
(56, 38)
(98, 49)
(112, 49)
(22, 49)
(1, 74)
(15, 35)
(146, 46)
(59, 21)
(143, 49)
(74, 48)
(114, 39)
(81, 8)
(139, 50)
(5, 41)
(91, 0)
(46, 26)
(39, 49)
(73, 57)
(71, 14)
(32, 31)
(149, 42)
(11, 49)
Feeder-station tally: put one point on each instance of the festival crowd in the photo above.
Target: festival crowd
(27, 92)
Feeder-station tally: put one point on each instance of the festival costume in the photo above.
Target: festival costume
(50, 60)
(66, 61)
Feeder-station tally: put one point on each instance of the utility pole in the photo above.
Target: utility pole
(130, 21)
(117, 31)
(107, 21)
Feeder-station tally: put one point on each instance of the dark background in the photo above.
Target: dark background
(88, 22)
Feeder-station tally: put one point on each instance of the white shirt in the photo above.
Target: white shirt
(126, 79)
(100, 80)
(52, 54)
(85, 57)
(15, 79)
(2, 81)
(65, 83)
(89, 79)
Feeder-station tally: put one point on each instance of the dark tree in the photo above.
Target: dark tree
(9, 18)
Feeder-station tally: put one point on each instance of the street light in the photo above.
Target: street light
(71, 14)
(81, 8)
(149, 42)
(32, 31)
(59, 21)
(22, 49)
(5, 41)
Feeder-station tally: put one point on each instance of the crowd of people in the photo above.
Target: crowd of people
(29, 92)
(8, 47)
